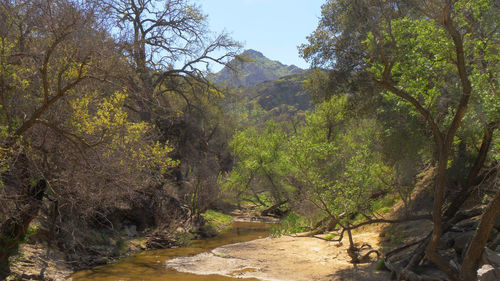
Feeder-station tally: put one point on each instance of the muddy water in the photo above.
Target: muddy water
(149, 265)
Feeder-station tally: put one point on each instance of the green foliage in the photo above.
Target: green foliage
(32, 230)
(331, 160)
(384, 204)
(380, 265)
(272, 95)
(217, 220)
(261, 157)
(424, 66)
(335, 159)
(291, 223)
(422, 52)
(183, 238)
(121, 247)
(331, 236)
(125, 139)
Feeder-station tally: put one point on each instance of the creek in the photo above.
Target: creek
(150, 265)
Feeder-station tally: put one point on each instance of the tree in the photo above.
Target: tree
(261, 164)
(166, 39)
(170, 50)
(328, 162)
(58, 66)
(425, 54)
(67, 142)
(337, 166)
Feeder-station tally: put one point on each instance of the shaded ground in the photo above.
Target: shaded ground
(284, 258)
(36, 263)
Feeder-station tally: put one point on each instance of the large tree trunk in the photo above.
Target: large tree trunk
(476, 247)
(437, 220)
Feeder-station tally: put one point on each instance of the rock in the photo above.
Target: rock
(131, 231)
(451, 256)
(462, 240)
(103, 260)
(497, 223)
(447, 239)
(488, 273)
(492, 257)
(495, 243)
(468, 224)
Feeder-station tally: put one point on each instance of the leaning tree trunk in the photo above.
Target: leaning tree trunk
(14, 229)
(476, 247)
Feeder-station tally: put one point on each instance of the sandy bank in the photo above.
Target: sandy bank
(284, 258)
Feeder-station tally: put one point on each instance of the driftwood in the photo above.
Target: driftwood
(362, 254)
(274, 210)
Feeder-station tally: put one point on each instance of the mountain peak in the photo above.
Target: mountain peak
(254, 71)
(250, 53)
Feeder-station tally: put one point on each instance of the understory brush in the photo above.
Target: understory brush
(289, 224)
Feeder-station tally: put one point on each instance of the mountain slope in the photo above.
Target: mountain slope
(287, 90)
(252, 68)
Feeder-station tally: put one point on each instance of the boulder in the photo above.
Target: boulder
(497, 223)
(462, 240)
(488, 272)
(468, 224)
(447, 239)
(451, 256)
(492, 257)
(495, 243)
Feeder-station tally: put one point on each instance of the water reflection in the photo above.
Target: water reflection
(148, 265)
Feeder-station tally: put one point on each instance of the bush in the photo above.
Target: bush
(380, 265)
(216, 220)
(291, 223)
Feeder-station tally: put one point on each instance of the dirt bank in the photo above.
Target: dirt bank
(284, 258)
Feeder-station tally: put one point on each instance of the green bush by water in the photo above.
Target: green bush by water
(291, 223)
(215, 222)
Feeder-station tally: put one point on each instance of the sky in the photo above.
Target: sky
(272, 27)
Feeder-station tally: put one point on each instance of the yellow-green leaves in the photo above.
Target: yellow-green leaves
(105, 121)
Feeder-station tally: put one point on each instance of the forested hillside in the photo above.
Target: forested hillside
(115, 137)
(288, 90)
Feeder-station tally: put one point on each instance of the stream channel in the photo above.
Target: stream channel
(149, 265)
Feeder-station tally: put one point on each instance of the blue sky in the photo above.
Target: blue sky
(273, 27)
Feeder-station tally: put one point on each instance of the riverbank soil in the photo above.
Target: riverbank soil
(284, 258)
(35, 262)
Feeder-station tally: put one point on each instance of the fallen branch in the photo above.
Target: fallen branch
(271, 210)
(402, 248)
(415, 218)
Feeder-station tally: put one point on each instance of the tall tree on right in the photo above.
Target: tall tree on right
(439, 58)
